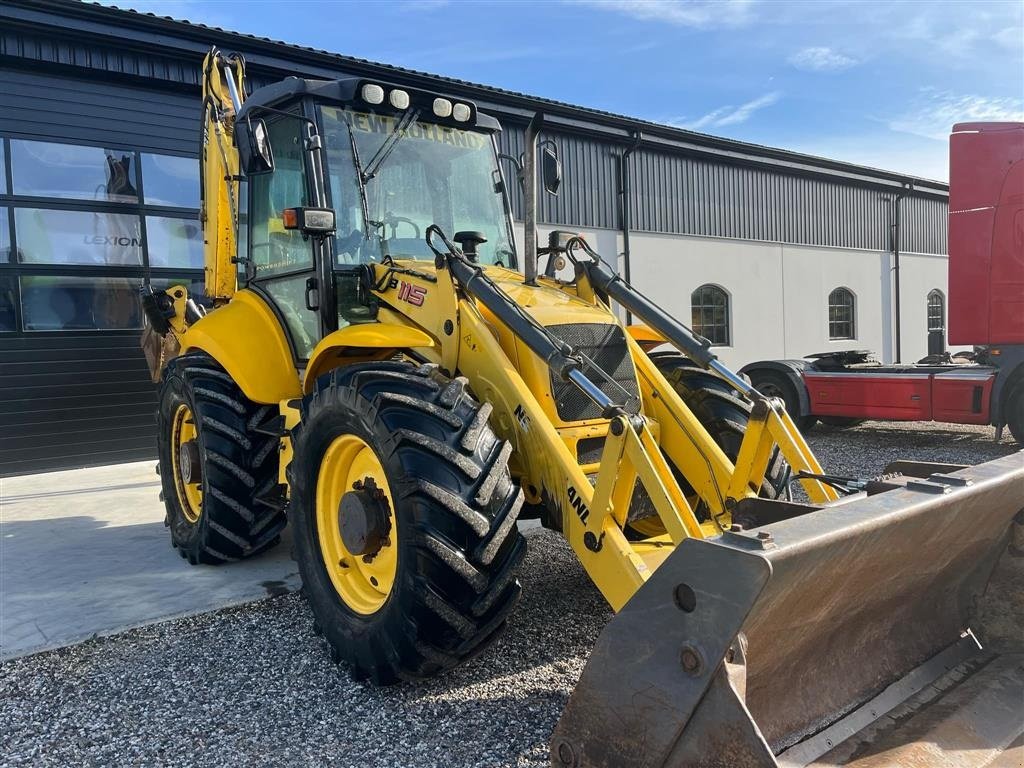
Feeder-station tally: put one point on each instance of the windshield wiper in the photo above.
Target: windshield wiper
(408, 119)
(359, 175)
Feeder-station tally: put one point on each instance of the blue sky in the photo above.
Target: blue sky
(877, 83)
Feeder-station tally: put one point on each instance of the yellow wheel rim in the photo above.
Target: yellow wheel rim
(187, 482)
(362, 582)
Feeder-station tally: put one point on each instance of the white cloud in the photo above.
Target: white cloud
(683, 13)
(935, 112)
(728, 115)
(821, 59)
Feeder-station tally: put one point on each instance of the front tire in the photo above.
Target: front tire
(440, 582)
(215, 463)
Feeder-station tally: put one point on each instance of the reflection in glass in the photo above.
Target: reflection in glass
(171, 180)
(78, 237)
(3, 167)
(174, 242)
(46, 169)
(8, 297)
(5, 236)
(80, 303)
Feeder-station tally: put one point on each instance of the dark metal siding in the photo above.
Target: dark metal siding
(74, 400)
(91, 111)
(80, 399)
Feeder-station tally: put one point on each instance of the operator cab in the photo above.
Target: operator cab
(346, 173)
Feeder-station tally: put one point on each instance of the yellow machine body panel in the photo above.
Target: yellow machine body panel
(359, 344)
(246, 337)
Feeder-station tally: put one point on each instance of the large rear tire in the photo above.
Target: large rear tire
(215, 463)
(440, 580)
(722, 411)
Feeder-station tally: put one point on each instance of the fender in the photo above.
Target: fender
(646, 337)
(360, 343)
(792, 370)
(246, 337)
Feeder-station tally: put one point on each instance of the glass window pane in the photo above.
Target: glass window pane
(8, 297)
(3, 168)
(174, 242)
(169, 180)
(64, 170)
(80, 303)
(78, 237)
(275, 249)
(289, 294)
(5, 236)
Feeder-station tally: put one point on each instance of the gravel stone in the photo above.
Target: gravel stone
(254, 684)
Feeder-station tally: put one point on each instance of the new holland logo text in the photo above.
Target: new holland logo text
(414, 294)
(577, 504)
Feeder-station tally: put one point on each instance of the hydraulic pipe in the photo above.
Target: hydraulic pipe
(530, 198)
(699, 350)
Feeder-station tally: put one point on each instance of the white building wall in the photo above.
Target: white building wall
(779, 292)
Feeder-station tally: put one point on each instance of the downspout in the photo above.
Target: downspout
(624, 207)
(896, 234)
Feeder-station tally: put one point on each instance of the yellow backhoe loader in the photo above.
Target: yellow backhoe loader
(369, 364)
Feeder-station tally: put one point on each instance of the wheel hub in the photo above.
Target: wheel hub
(364, 519)
(189, 462)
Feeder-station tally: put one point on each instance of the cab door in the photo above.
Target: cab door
(284, 263)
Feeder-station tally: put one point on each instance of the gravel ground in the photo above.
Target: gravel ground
(253, 685)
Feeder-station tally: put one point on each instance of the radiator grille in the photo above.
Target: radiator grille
(606, 346)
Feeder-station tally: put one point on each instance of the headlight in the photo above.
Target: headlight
(461, 112)
(442, 107)
(373, 94)
(399, 99)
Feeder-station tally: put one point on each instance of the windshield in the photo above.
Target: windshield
(427, 174)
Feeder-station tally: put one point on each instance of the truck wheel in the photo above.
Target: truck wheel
(1014, 413)
(215, 463)
(773, 384)
(404, 515)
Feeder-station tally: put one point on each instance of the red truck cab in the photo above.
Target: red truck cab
(986, 310)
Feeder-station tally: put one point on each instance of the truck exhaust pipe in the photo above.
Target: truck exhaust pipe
(530, 199)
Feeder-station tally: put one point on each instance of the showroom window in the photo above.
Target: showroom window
(82, 226)
(46, 169)
(842, 314)
(710, 314)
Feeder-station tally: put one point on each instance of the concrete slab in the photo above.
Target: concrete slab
(85, 552)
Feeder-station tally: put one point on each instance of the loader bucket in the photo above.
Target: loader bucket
(774, 646)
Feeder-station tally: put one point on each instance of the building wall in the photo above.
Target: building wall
(779, 292)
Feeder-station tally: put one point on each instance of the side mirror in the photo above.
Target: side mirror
(550, 168)
(255, 155)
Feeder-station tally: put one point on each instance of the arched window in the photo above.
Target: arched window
(709, 306)
(842, 314)
(936, 310)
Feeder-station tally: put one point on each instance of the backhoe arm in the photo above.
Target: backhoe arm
(223, 92)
